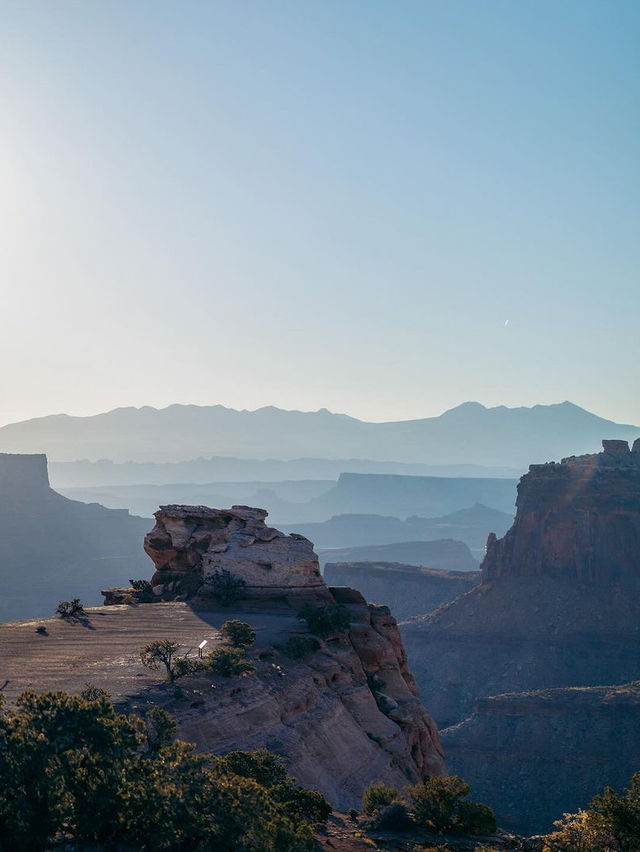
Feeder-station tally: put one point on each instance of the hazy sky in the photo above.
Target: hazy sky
(384, 208)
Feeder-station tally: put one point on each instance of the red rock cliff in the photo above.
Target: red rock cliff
(579, 518)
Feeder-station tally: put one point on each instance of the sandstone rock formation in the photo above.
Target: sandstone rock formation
(579, 518)
(344, 716)
(189, 544)
(558, 605)
(406, 589)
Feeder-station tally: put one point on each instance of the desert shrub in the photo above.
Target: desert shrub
(225, 587)
(378, 796)
(161, 652)
(70, 609)
(611, 823)
(325, 619)
(143, 590)
(269, 771)
(299, 647)
(392, 817)
(78, 775)
(475, 818)
(441, 804)
(228, 662)
(238, 633)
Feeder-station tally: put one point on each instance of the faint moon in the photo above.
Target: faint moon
(506, 323)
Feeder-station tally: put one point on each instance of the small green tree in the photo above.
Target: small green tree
(225, 587)
(71, 609)
(441, 804)
(325, 619)
(228, 662)
(238, 633)
(160, 653)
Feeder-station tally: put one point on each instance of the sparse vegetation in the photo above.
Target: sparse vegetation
(77, 775)
(238, 633)
(71, 609)
(93, 693)
(225, 587)
(325, 619)
(299, 647)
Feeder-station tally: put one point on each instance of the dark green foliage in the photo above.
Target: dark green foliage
(325, 619)
(299, 647)
(143, 590)
(392, 817)
(269, 771)
(160, 653)
(225, 587)
(228, 662)
(441, 804)
(77, 775)
(378, 796)
(70, 609)
(238, 633)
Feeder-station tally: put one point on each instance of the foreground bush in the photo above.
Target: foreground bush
(75, 774)
(611, 823)
(143, 590)
(441, 804)
(325, 619)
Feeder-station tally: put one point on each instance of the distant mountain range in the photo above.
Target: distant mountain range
(468, 434)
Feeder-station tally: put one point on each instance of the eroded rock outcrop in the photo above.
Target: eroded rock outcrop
(579, 518)
(189, 544)
(343, 716)
(558, 605)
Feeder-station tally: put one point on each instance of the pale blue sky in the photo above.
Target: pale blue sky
(313, 204)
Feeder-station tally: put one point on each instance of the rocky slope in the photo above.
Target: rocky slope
(52, 548)
(408, 590)
(342, 716)
(558, 605)
(547, 747)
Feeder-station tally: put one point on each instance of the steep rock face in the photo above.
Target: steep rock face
(558, 605)
(579, 519)
(348, 714)
(407, 589)
(191, 543)
(546, 747)
(52, 548)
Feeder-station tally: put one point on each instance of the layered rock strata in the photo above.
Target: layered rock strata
(547, 747)
(558, 605)
(189, 544)
(343, 716)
